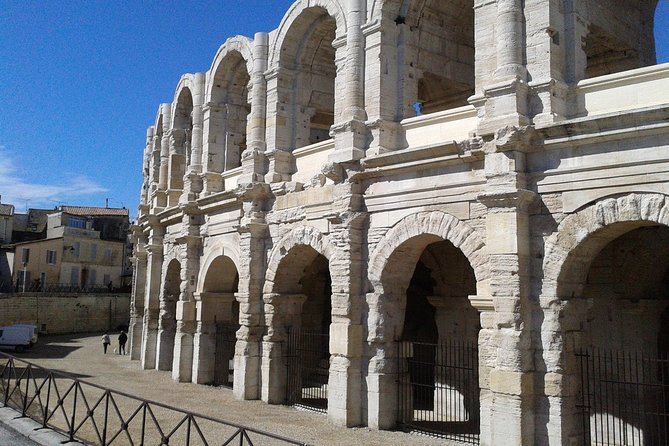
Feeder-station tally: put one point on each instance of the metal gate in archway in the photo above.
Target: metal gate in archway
(308, 358)
(224, 364)
(438, 386)
(624, 397)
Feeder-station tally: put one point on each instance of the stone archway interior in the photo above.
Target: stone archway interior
(441, 327)
(624, 332)
(309, 54)
(440, 54)
(229, 116)
(222, 309)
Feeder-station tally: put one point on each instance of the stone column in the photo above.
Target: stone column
(253, 233)
(154, 265)
(346, 329)
(146, 167)
(177, 161)
(182, 366)
(212, 181)
(163, 177)
(511, 379)
(279, 135)
(282, 311)
(192, 179)
(351, 133)
(386, 317)
(502, 99)
(253, 159)
(382, 86)
(138, 296)
(210, 308)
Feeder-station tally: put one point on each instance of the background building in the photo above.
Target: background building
(83, 247)
(453, 270)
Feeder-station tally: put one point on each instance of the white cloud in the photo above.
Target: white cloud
(16, 190)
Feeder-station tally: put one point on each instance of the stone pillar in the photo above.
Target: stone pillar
(182, 366)
(163, 180)
(212, 181)
(154, 264)
(253, 233)
(253, 159)
(511, 379)
(177, 162)
(282, 311)
(386, 317)
(502, 99)
(382, 91)
(210, 308)
(351, 133)
(193, 179)
(138, 298)
(146, 167)
(345, 390)
(280, 138)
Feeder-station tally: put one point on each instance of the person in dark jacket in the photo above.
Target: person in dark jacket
(122, 339)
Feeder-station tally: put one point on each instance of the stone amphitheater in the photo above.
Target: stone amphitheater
(447, 216)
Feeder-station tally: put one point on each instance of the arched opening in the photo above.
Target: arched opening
(617, 322)
(303, 282)
(229, 113)
(435, 55)
(180, 144)
(615, 42)
(438, 348)
(167, 322)
(218, 323)
(308, 77)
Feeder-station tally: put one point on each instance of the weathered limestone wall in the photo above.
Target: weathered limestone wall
(67, 314)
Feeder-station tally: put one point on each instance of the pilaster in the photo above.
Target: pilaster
(253, 233)
(511, 378)
(154, 263)
(191, 241)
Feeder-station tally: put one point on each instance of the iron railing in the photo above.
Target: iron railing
(438, 386)
(624, 397)
(308, 369)
(95, 415)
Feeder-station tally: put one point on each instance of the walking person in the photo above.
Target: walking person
(122, 339)
(105, 342)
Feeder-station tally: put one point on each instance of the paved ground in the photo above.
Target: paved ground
(82, 355)
(11, 437)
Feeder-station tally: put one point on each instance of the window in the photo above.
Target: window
(42, 280)
(77, 248)
(50, 257)
(92, 278)
(77, 222)
(25, 255)
(74, 276)
(108, 254)
(94, 251)
(106, 279)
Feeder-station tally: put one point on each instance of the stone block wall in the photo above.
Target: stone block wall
(67, 314)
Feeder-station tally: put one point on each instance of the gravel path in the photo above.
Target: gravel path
(82, 355)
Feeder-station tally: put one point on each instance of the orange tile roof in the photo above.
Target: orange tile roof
(87, 210)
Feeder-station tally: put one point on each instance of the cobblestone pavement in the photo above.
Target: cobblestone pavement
(82, 355)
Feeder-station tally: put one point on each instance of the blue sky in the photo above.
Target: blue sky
(80, 81)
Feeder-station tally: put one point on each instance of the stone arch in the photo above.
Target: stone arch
(567, 305)
(228, 250)
(333, 7)
(433, 226)
(581, 235)
(301, 236)
(228, 99)
(237, 44)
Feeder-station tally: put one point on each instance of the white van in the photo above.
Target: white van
(19, 336)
